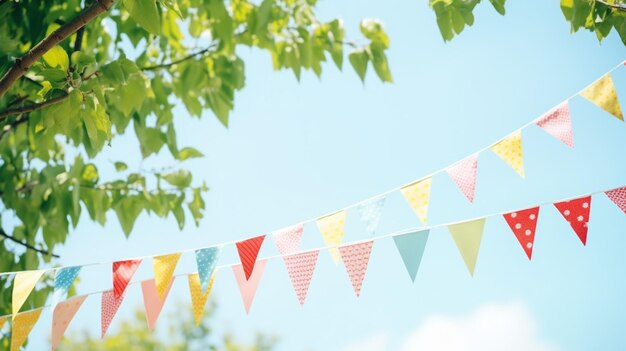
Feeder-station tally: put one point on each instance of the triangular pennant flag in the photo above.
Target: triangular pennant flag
(411, 247)
(199, 298)
(288, 240)
(576, 213)
(464, 175)
(109, 306)
(63, 314)
(300, 268)
(602, 93)
(206, 259)
(248, 252)
(63, 280)
(618, 196)
(331, 227)
(123, 272)
(558, 123)
(356, 257)
(23, 284)
(418, 196)
(467, 236)
(510, 151)
(523, 224)
(23, 323)
(370, 212)
(164, 267)
(153, 301)
(248, 287)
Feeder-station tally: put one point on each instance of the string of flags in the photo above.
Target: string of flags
(467, 236)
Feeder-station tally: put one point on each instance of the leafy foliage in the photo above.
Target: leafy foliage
(122, 73)
(597, 16)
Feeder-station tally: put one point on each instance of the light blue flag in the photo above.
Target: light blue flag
(370, 212)
(411, 247)
(63, 280)
(206, 260)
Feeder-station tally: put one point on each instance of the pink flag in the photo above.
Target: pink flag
(618, 196)
(356, 257)
(300, 268)
(109, 307)
(152, 302)
(464, 175)
(288, 239)
(248, 287)
(123, 271)
(63, 314)
(557, 122)
(576, 213)
(523, 224)
(248, 252)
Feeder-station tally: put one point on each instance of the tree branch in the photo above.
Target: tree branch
(175, 62)
(618, 6)
(23, 63)
(31, 107)
(26, 245)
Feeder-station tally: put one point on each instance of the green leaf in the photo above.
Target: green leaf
(120, 166)
(172, 5)
(498, 5)
(188, 152)
(145, 13)
(373, 30)
(359, 59)
(379, 61)
(196, 206)
(180, 179)
(57, 57)
(151, 140)
(127, 210)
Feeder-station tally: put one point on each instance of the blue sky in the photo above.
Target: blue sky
(296, 150)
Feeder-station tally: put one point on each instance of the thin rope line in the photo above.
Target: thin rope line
(221, 245)
(324, 248)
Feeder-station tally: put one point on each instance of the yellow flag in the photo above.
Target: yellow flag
(510, 150)
(23, 284)
(3, 321)
(23, 323)
(418, 196)
(164, 267)
(198, 299)
(603, 94)
(331, 227)
(467, 236)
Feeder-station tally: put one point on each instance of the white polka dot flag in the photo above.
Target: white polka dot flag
(370, 213)
(464, 175)
(558, 123)
(63, 280)
(63, 314)
(576, 213)
(618, 196)
(467, 237)
(523, 224)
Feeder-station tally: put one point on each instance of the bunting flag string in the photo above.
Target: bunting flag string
(556, 122)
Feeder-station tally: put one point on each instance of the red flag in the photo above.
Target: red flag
(300, 268)
(523, 224)
(576, 212)
(123, 271)
(248, 252)
(356, 257)
(618, 196)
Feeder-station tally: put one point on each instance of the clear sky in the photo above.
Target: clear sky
(297, 150)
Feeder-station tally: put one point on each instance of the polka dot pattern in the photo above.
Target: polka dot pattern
(523, 224)
(356, 258)
(576, 213)
(558, 123)
(464, 175)
(418, 196)
(23, 323)
(164, 267)
(63, 314)
(109, 306)
(602, 93)
(300, 268)
(288, 240)
(331, 227)
(63, 280)
(199, 298)
(206, 260)
(618, 196)
(510, 151)
(371, 212)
